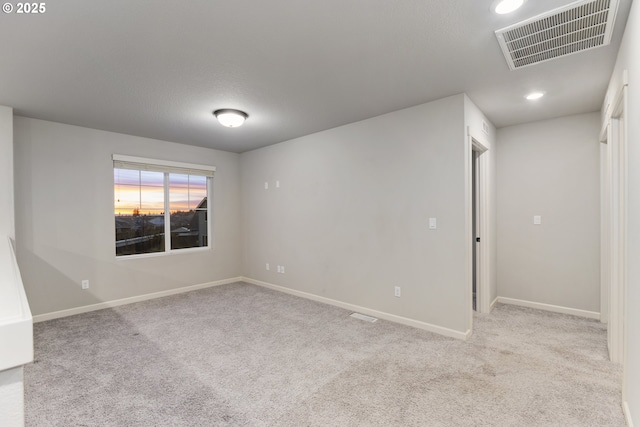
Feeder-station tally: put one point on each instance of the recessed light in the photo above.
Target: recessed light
(534, 95)
(230, 118)
(506, 6)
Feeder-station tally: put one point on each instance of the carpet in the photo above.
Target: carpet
(242, 355)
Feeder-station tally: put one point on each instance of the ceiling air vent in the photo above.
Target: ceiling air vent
(573, 28)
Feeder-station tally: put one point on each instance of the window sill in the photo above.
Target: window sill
(163, 254)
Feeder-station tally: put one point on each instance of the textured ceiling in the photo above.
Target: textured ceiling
(159, 68)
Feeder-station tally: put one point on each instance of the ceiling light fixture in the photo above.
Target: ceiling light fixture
(230, 118)
(506, 6)
(534, 95)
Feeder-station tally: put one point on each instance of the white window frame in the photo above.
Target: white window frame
(167, 167)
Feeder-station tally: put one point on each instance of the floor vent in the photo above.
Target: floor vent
(363, 317)
(576, 27)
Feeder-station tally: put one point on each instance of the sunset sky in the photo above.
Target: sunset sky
(144, 190)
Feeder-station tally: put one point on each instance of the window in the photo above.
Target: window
(160, 206)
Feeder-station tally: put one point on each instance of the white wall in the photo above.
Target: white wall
(6, 173)
(550, 168)
(11, 383)
(12, 397)
(65, 224)
(629, 59)
(350, 219)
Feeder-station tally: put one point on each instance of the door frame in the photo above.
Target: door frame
(483, 294)
(614, 226)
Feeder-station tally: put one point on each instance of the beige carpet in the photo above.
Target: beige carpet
(241, 355)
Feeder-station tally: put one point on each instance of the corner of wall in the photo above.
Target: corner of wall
(7, 215)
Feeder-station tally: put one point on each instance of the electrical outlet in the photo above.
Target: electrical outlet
(266, 185)
(85, 284)
(396, 291)
(266, 267)
(282, 269)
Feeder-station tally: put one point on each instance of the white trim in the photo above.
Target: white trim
(370, 312)
(168, 163)
(483, 262)
(166, 215)
(617, 222)
(627, 413)
(482, 286)
(493, 305)
(164, 253)
(608, 107)
(605, 275)
(130, 300)
(468, 230)
(550, 307)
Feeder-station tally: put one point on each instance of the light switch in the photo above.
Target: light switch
(266, 185)
(432, 224)
(537, 220)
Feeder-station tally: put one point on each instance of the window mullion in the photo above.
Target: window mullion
(167, 215)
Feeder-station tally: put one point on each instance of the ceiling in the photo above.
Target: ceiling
(159, 68)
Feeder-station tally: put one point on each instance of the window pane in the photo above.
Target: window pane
(140, 233)
(126, 199)
(197, 191)
(126, 176)
(187, 191)
(189, 229)
(151, 198)
(152, 179)
(138, 191)
(179, 192)
(126, 191)
(187, 199)
(139, 211)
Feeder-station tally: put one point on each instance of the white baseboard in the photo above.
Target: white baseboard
(370, 312)
(549, 307)
(493, 304)
(130, 300)
(627, 413)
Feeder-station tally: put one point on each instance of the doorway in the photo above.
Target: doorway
(475, 232)
(478, 223)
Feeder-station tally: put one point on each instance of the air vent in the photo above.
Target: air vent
(574, 28)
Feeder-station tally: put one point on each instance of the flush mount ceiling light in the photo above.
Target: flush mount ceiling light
(506, 6)
(230, 118)
(534, 95)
